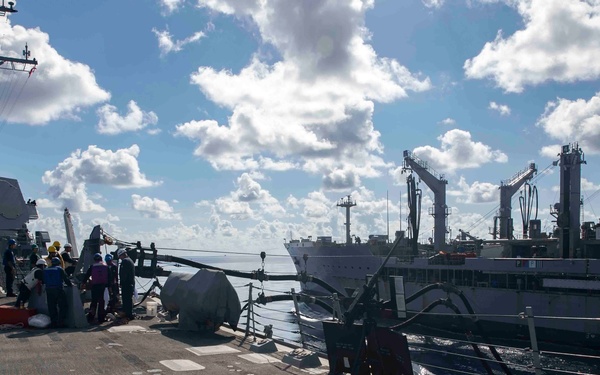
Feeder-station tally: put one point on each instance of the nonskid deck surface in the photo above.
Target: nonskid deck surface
(144, 346)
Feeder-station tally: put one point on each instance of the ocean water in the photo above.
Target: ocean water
(436, 356)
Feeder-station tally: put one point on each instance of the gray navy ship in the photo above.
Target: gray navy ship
(556, 274)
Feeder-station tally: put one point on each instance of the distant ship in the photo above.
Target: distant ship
(557, 275)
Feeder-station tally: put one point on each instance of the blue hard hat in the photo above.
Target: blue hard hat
(55, 261)
(12, 242)
(108, 258)
(97, 256)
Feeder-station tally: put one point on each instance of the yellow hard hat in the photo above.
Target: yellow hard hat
(51, 249)
(56, 244)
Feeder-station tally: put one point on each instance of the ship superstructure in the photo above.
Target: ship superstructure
(558, 275)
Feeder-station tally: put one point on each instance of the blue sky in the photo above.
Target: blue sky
(227, 125)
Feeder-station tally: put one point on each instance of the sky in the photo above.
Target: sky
(230, 125)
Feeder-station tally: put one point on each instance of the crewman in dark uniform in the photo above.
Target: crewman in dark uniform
(10, 267)
(127, 279)
(113, 284)
(54, 277)
(34, 256)
(100, 275)
(69, 262)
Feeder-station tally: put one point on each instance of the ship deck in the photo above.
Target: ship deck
(145, 345)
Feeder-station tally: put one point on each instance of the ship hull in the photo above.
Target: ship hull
(498, 309)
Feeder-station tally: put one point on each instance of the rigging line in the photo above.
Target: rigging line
(9, 90)
(587, 200)
(592, 196)
(133, 245)
(4, 86)
(513, 199)
(469, 342)
(220, 252)
(452, 370)
(17, 98)
(424, 348)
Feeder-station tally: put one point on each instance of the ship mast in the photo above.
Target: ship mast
(567, 217)
(347, 203)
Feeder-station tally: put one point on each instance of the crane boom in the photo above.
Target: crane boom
(437, 183)
(508, 188)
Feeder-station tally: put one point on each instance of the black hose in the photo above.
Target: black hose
(449, 288)
(263, 300)
(154, 285)
(255, 275)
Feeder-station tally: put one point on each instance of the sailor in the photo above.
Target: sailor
(127, 279)
(33, 279)
(100, 275)
(34, 256)
(52, 253)
(113, 284)
(69, 262)
(10, 267)
(54, 277)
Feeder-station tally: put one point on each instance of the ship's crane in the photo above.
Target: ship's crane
(508, 188)
(437, 184)
(477, 242)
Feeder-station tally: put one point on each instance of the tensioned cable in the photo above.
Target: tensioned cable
(469, 356)
(514, 197)
(444, 368)
(469, 342)
(16, 99)
(10, 88)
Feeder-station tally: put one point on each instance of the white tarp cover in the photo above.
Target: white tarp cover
(203, 300)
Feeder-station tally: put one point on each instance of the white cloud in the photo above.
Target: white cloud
(477, 192)
(459, 151)
(557, 43)
(448, 121)
(251, 192)
(69, 180)
(112, 123)
(574, 120)
(313, 108)
(587, 185)
(341, 179)
(166, 44)
(234, 209)
(503, 109)
(154, 208)
(60, 88)
(171, 6)
(433, 3)
(47, 203)
(551, 151)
